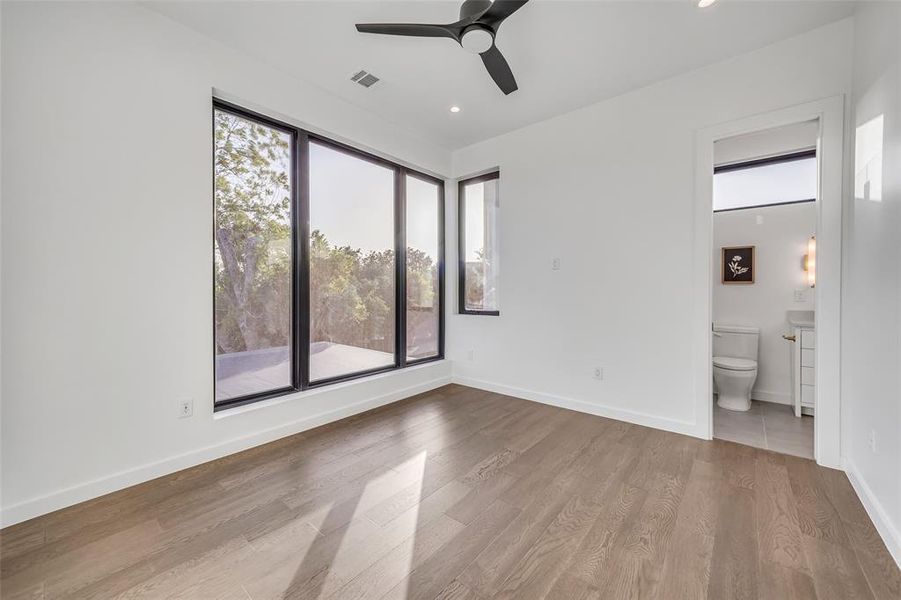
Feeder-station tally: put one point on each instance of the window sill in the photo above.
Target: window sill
(228, 412)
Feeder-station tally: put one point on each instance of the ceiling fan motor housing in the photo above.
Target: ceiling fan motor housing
(477, 39)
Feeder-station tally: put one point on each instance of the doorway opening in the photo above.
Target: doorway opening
(826, 117)
(763, 288)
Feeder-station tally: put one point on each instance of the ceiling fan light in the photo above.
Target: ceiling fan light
(477, 40)
(455, 109)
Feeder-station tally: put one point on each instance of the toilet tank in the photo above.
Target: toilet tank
(735, 341)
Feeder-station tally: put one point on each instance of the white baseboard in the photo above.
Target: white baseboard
(41, 505)
(880, 518)
(775, 397)
(601, 410)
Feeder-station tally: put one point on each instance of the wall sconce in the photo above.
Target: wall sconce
(810, 261)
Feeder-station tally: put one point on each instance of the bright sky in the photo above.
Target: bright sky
(422, 216)
(475, 231)
(770, 184)
(352, 203)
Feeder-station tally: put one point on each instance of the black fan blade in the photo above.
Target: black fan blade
(499, 69)
(500, 10)
(410, 29)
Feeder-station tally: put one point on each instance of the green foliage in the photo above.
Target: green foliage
(253, 233)
(351, 293)
(475, 280)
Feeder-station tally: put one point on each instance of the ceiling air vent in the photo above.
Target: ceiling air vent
(364, 78)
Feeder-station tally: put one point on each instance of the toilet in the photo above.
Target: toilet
(734, 365)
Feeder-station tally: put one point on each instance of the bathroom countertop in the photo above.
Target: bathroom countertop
(801, 318)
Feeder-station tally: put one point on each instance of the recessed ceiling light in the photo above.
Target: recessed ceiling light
(705, 3)
(455, 109)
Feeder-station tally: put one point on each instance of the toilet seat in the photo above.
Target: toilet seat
(734, 364)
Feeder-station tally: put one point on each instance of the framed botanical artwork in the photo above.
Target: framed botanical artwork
(738, 265)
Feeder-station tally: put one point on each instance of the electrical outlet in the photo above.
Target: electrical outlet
(555, 264)
(598, 373)
(185, 408)
(873, 441)
(800, 295)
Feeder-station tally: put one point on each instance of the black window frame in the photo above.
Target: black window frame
(300, 256)
(461, 243)
(762, 162)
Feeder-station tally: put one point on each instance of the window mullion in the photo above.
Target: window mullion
(461, 247)
(441, 269)
(302, 266)
(400, 262)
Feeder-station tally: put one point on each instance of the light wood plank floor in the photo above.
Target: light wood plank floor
(465, 494)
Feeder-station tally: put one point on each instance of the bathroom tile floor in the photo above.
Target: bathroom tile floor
(767, 425)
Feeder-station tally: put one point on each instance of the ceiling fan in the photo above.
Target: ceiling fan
(475, 31)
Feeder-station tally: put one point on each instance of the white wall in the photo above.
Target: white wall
(609, 190)
(871, 336)
(106, 246)
(780, 234)
(770, 142)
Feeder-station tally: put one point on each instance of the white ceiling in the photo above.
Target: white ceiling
(564, 54)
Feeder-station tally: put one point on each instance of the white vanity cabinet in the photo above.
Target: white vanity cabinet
(803, 366)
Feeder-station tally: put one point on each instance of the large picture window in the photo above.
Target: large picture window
(479, 206)
(328, 260)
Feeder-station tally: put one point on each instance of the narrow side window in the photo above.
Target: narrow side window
(479, 265)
